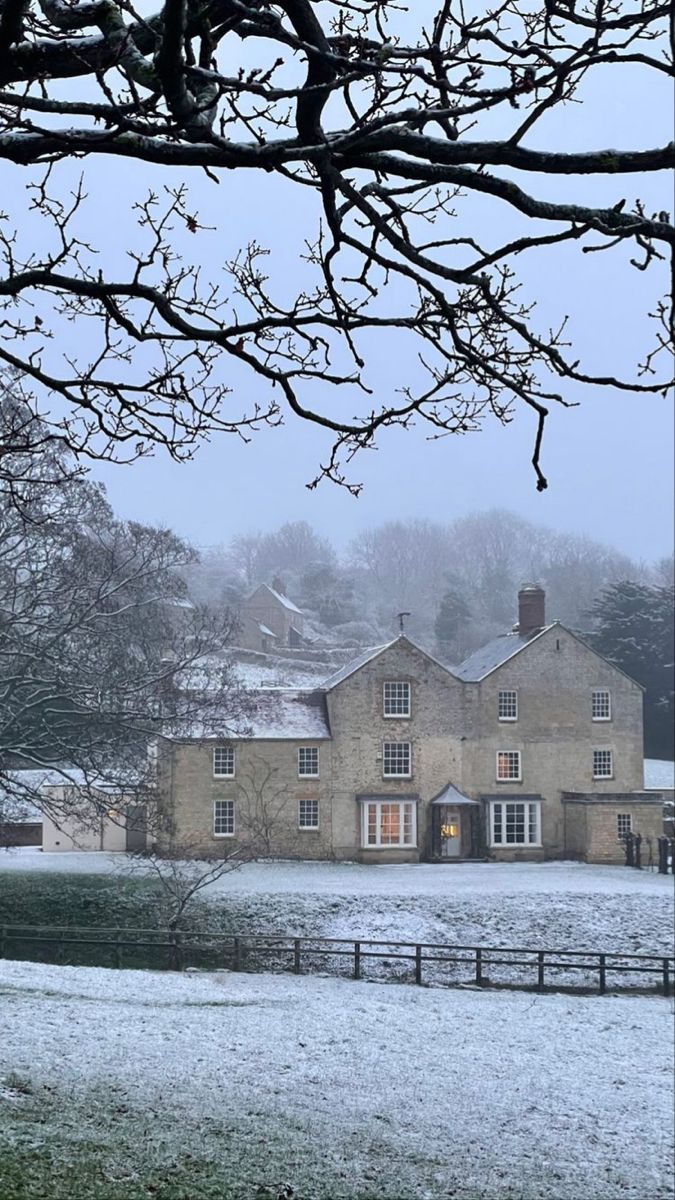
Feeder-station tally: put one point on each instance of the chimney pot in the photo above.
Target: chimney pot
(531, 609)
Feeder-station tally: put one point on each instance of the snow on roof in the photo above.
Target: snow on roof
(490, 656)
(265, 631)
(282, 599)
(275, 714)
(289, 713)
(659, 774)
(355, 664)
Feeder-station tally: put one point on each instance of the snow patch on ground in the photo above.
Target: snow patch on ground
(347, 1089)
(355, 879)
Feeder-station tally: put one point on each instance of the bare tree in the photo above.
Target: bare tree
(413, 140)
(262, 807)
(182, 871)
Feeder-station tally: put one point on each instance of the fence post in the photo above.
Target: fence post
(638, 857)
(666, 977)
(237, 954)
(663, 855)
(540, 968)
(357, 960)
(118, 948)
(418, 964)
(2, 941)
(479, 966)
(296, 955)
(602, 965)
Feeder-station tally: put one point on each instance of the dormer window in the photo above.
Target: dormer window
(396, 698)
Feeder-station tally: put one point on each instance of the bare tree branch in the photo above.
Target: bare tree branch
(393, 125)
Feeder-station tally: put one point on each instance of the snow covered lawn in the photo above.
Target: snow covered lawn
(355, 879)
(558, 905)
(117, 1085)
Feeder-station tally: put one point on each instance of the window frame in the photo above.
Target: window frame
(601, 692)
(231, 832)
(509, 778)
(303, 825)
(507, 692)
(224, 774)
(396, 774)
(396, 716)
(621, 834)
(530, 807)
(310, 774)
(607, 751)
(378, 805)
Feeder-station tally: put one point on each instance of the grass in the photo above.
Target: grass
(110, 1152)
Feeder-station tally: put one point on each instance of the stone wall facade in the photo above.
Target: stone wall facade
(455, 736)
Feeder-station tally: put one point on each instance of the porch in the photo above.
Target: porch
(455, 832)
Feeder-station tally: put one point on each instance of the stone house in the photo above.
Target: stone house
(268, 620)
(530, 749)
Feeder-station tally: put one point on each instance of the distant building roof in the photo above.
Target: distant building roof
(277, 596)
(659, 774)
(265, 631)
(490, 656)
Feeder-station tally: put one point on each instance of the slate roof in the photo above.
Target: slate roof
(490, 656)
(452, 795)
(659, 774)
(283, 600)
(354, 664)
(278, 714)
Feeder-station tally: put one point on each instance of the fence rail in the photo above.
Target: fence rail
(435, 963)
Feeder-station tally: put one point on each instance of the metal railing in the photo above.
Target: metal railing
(430, 963)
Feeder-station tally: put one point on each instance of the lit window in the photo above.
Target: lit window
(396, 759)
(508, 706)
(308, 814)
(388, 823)
(508, 765)
(396, 699)
(516, 823)
(602, 764)
(624, 825)
(223, 818)
(223, 761)
(601, 705)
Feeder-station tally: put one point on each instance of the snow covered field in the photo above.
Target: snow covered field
(135, 1080)
(552, 905)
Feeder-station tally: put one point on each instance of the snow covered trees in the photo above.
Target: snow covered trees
(99, 645)
(635, 630)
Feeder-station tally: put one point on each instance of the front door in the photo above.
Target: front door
(450, 833)
(137, 833)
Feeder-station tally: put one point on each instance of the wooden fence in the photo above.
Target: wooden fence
(438, 964)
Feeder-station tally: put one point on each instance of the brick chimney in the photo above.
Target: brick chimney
(531, 609)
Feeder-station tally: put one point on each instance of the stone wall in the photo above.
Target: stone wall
(266, 790)
(554, 677)
(599, 820)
